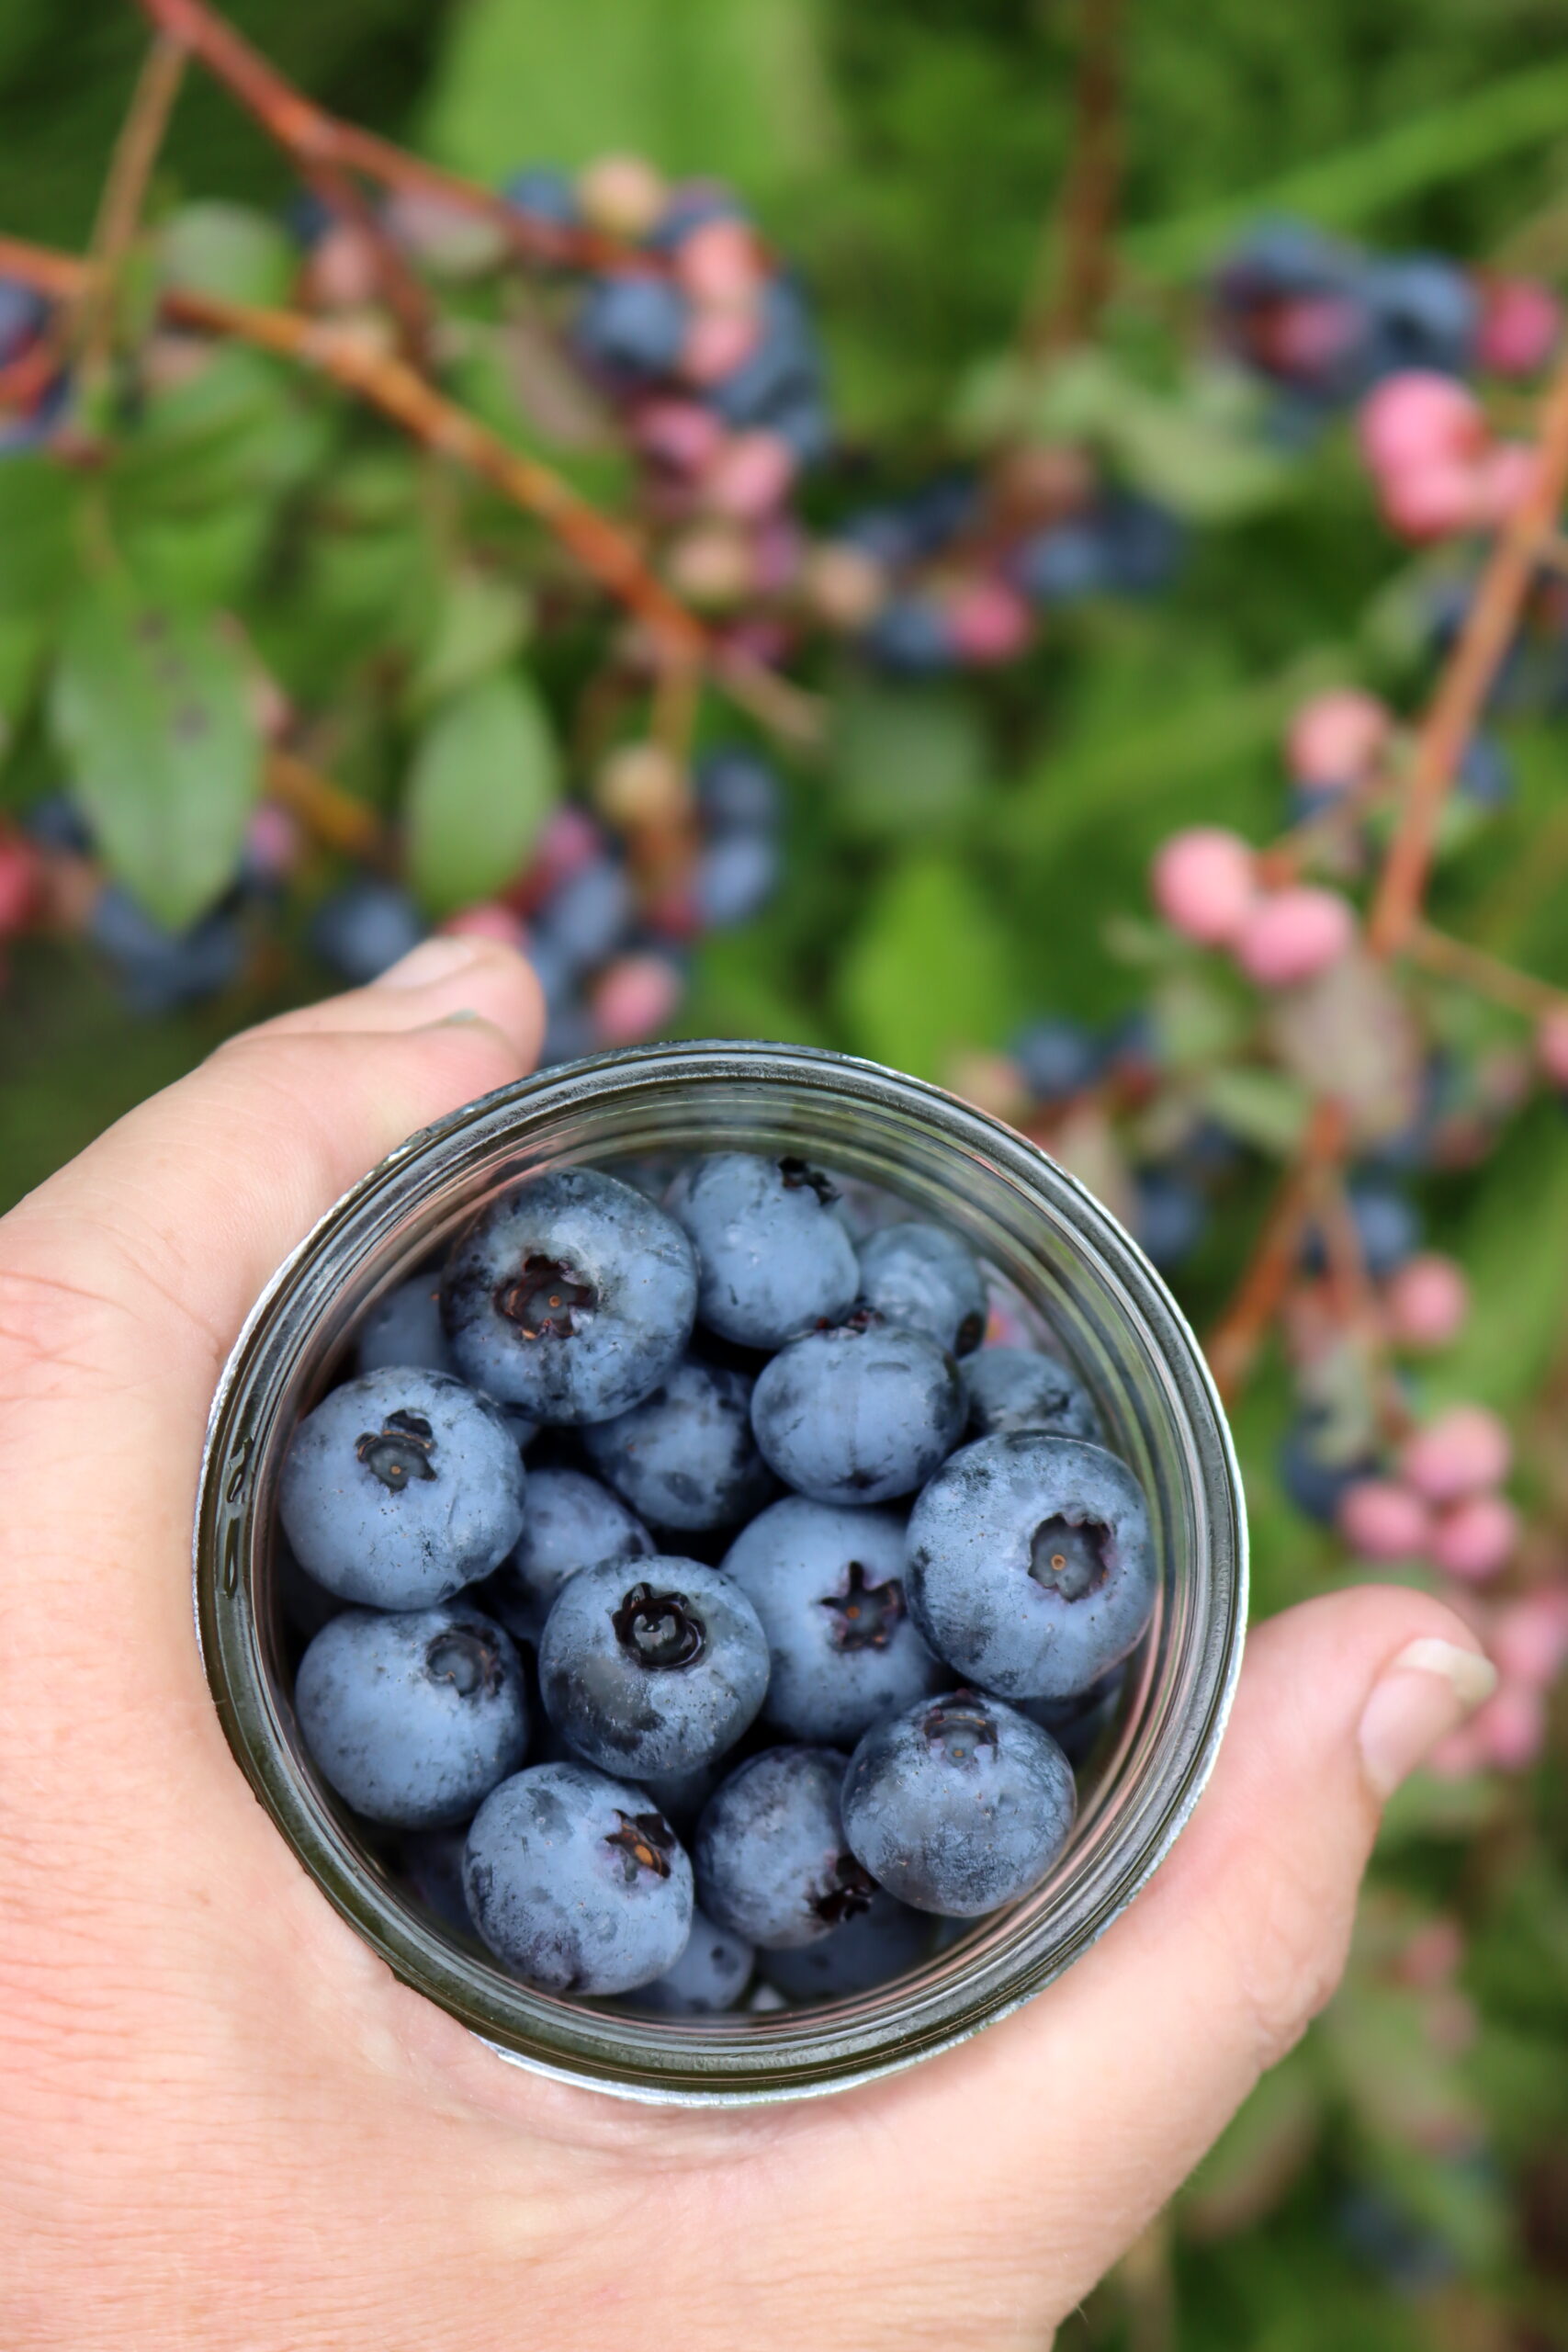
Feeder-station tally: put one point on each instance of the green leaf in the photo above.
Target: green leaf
(37, 551)
(150, 711)
(481, 622)
(928, 974)
(696, 85)
(227, 249)
(236, 430)
(1257, 1106)
(904, 763)
(484, 778)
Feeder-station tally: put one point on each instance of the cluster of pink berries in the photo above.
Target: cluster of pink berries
(1438, 468)
(1207, 885)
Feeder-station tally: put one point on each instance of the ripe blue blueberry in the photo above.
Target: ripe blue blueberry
(959, 1804)
(859, 1413)
(769, 1855)
(1170, 1215)
(576, 1882)
(405, 1328)
(433, 1862)
(710, 1976)
(733, 879)
(924, 1276)
(685, 1457)
(542, 196)
(159, 969)
(1057, 1056)
(876, 1945)
(413, 1717)
(773, 1258)
(1076, 1724)
(584, 919)
(911, 636)
(827, 1585)
(736, 792)
(657, 1666)
(365, 927)
(571, 1523)
(1015, 1388)
(784, 366)
(571, 1295)
(400, 1487)
(1030, 1566)
(631, 328)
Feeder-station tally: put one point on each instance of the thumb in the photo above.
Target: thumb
(1113, 2083)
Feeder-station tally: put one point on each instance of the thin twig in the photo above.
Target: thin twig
(406, 298)
(1082, 257)
(1233, 1346)
(328, 812)
(314, 138)
(1455, 959)
(1467, 678)
(136, 153)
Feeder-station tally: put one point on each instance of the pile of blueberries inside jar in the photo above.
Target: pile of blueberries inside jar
(729, 1604)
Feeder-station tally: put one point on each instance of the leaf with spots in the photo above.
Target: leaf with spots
(150, 714)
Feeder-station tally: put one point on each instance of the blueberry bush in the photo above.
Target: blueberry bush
(1027, 548)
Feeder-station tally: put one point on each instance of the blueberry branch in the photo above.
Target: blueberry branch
(1231, 1348)
(131, 168)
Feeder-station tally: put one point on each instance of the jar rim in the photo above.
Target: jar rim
(727, 2059)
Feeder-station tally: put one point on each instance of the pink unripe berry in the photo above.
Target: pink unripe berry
(720, 263)
(1293, 936)
(777, 551)
(1475, 1538)
(642, 786)
(621, 194)
(1463, 1452)
(758, 638)
(1519, 324)
(716, 342)
(1305, 336)
(1204, 885)
(1336, 738)
(1529, 1642)
(1432, 502)
(990, 621)
(343, 272)
(845, 585)
(679, 434)
(274, 844)
(1511, 1727)
(1552, 1046)
(713, 565)
(1419, 418)
(632, 998)
(1426, 1301)
(1384, 1521)
(488, 920)
(20, 873)
(748, 475)
(1505, 480)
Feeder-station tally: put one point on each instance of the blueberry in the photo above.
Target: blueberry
(1388, 1228)
(784, 365)
(1030, 1565)
(1062, 564)
(773, 1258)
(1426, 314)
(542, 196)
(736, 792)
(1169, 1215)
(570, 1295)
(733, 879)
(405, 1328)
(1486, 774)
(631, 328)
(710, 1976)
(1315, 1473)
(911, 634)
(433, 1862)
(858, 1414)
(577, 1882)
(926, 1278)
(362, 929)
(1076, 1724)
(769, 1854)
(400, 1487)
(571, 1523)
(656, 1665)
(1057, 1056)
(827, 1585)
(685, 1456)
(1143, 544)
(940, 509)
(23, 312)
(877, 1944)
(585, 918)
(413, 1717)
(958, 1805)
(681, 1796)
(1015, 1388)
(160, 970)
(54, 821)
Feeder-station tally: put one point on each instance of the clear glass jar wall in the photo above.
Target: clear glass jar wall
(1069, 1270)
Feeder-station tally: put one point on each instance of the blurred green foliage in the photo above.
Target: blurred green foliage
(962, 857)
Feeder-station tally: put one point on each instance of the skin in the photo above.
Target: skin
(224, 2127)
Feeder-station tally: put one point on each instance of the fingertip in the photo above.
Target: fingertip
(441, 977)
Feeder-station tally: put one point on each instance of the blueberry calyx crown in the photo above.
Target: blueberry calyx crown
(961, 1726)
(547, 1299)
(647, 1837)
(1067, 1556)
(970, 1333)
(658, 1629)
(865, 1616)
(854, 1324)
(800, 1177)
(400, 1450)
(848, 1893)
(466, 1659)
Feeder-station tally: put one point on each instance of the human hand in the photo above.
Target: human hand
(224, 2124)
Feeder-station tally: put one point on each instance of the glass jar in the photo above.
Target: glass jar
(1070, 1277)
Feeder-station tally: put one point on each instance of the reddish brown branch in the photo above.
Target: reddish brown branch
(1083, 232)
(1234, 1344)
(125, 188)
(1455, 959)
(1467, 678)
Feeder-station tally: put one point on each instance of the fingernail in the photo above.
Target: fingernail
(431, 960)
(1422, 1694)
